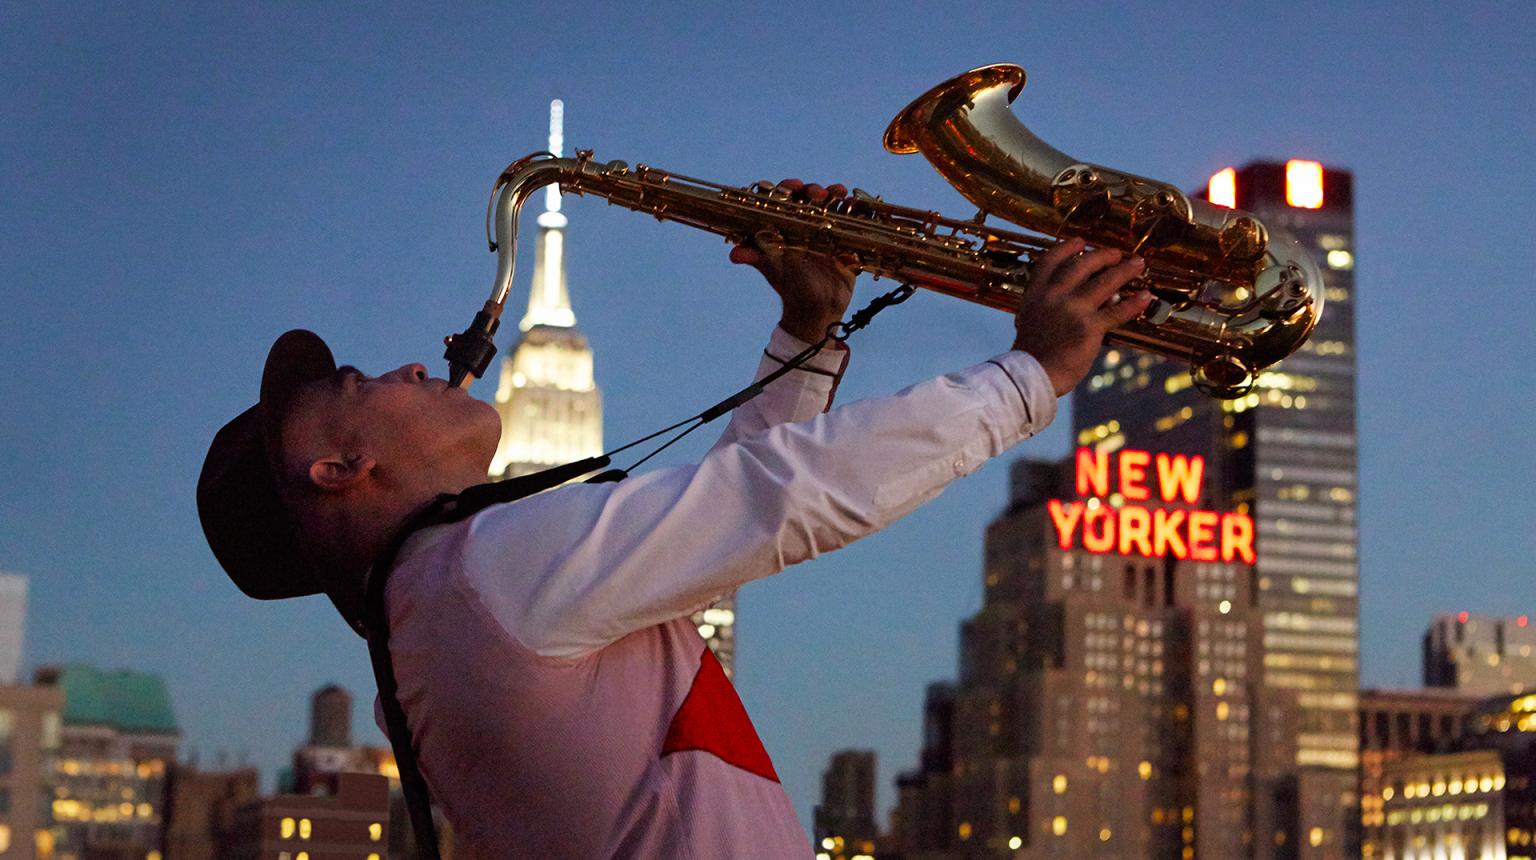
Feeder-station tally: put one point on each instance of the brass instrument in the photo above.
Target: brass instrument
(1232, 297)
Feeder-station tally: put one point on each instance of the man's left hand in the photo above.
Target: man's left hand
(815, 288)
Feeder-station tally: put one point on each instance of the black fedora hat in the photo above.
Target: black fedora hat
(250, 530)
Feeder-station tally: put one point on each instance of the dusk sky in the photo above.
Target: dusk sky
(179, 185)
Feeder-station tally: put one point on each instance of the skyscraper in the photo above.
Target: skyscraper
(1105, 706)
(13, 618)
(550, 405)
(1286, 455)
(551, 409)
(845, 819)
(1482, 655)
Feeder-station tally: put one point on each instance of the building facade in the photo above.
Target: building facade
(1476, 800)
(202, 810)
(1285, 454)
(30, 721)
(352, 824)
(844, 825)
(1396, 726)
(1106, 701)
(13, 618)
(117, 741)
(1483, 655)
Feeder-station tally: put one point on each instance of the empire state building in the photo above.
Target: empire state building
(550, 406)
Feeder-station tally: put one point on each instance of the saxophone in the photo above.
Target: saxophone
(1231, 296)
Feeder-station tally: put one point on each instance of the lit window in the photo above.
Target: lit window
(304, 828)
(1059, 825)
(285, 828)
(375, 831)
(1104, 834)
(1341, 259)
(1144, 769)
(1059, 784)
(1016, 843)
(5, 838)
(1223, 188)
(1316, 836)
(965, 830)
(1304, 184)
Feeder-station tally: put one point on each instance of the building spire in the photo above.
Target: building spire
(549, 303)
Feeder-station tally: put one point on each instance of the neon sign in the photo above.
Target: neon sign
(1145, 529)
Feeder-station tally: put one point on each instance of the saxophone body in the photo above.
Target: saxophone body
(1232, 296)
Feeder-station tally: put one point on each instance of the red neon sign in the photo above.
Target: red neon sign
(1153, 532)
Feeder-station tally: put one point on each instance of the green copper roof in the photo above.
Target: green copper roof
(129, 701)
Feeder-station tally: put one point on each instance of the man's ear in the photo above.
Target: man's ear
(336, 473)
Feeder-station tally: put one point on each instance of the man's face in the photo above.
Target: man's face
(415, 427)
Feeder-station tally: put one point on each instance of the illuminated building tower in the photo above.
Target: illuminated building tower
(1397, 726)
(119, 737)
(29, 741)
(551, 409)
(1286, 454)
(845, 819)
(1105, 701)
(13, 616)
(1481, 654)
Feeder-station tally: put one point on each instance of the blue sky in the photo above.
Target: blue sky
(179, 185)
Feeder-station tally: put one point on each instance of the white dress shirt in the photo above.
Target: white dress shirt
(562, 704)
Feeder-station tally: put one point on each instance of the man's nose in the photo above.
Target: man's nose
(415, 372)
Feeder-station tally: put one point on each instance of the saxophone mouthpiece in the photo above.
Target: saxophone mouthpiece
(470, 351)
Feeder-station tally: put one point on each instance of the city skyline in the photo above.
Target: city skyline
(185, 187)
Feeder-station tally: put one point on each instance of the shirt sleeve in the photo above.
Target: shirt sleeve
(573, 569)
(799, 395)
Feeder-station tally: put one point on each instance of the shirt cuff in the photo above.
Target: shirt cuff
(1023, 387)
(831, 360)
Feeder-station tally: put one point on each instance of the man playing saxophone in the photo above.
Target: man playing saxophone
(560, 702)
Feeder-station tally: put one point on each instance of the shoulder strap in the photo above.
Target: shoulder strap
(444, 509)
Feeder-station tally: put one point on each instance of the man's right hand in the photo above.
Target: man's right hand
(1071, 303)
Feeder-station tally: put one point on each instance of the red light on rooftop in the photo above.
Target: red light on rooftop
(1522, 620)
(1223, 188)
(1461, 618)
(1304, 184)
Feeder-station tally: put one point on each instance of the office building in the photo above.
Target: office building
(1396, 726)
(1481, 655)
(923, 819)
(352, 824)
(1105, 706)
(13, 618)
(30, 721)
(1475, 800)
(1285, 454)
(117, 741)
(844, 822)
(202, 810)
